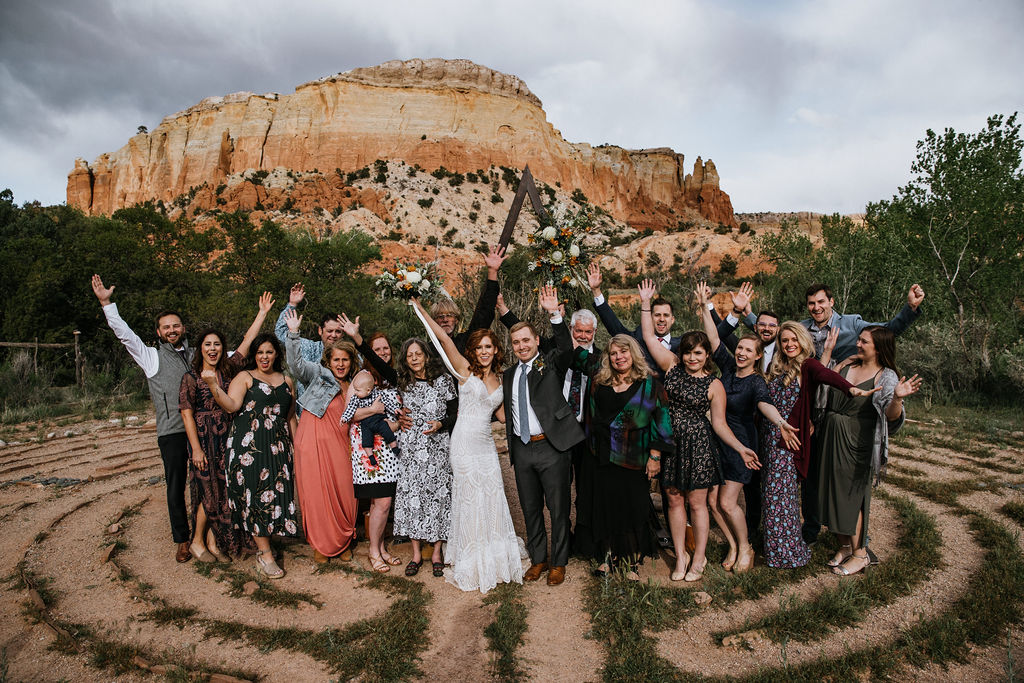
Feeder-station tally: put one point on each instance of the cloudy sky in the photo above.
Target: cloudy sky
(802, 105)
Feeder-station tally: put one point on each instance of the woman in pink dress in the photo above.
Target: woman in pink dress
(323, 462)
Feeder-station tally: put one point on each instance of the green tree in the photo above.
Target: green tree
(960, 220)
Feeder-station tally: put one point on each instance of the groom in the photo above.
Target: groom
(541, 429)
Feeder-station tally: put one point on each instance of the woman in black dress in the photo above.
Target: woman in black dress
(745, 392)
(694, 467)
(628, 430)
(261, 491)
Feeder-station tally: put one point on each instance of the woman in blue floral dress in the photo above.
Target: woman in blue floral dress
(261, 491)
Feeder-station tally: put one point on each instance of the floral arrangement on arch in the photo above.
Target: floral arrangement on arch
(405, 281)
(558, 253)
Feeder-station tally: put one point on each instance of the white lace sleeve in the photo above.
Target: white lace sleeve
(437, 344)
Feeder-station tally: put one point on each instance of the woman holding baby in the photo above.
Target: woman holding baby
(323, 460)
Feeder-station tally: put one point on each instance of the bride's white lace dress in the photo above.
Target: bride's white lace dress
(483, 548)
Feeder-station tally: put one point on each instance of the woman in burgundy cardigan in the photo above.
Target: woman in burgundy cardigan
(793, 379)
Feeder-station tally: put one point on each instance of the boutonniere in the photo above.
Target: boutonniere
(538, 365)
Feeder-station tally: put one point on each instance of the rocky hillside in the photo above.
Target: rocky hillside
(427, 113)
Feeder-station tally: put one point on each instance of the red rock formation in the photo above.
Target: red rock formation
(433, 113)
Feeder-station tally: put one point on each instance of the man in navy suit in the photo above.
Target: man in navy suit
(661, 311)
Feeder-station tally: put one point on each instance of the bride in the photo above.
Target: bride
(483, 548)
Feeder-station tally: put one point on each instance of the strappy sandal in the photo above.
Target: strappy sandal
(843, 570)
(413, 568)
(841, 555)
(392, 560)
(268, 569)
(438, 568)
(727, 565)
(379, 565)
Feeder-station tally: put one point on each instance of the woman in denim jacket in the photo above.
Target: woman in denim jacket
(323, 462)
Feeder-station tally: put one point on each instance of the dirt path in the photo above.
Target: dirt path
(59, 495)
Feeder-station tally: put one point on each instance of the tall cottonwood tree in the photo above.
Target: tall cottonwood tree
(961, 219)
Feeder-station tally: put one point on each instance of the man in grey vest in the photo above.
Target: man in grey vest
(164, 366)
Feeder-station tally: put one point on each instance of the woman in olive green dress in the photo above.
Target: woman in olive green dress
(854, 443)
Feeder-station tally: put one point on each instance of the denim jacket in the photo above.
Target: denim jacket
(321, 384)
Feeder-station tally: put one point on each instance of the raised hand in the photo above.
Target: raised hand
(209, 376)
(292, 319)
(647, 291)
(830, 342)
(500, 306)
(906, 387)
(915, 296)
(349, 327)
(494, 258)
(101, 292)
(741, 299)
(548, 299)
(702, 293)
(594, 278)
(266, 302)
(297, 294)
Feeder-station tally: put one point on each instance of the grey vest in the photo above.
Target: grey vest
(165, 385)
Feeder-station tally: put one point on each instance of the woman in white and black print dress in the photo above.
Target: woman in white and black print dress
(423, 501)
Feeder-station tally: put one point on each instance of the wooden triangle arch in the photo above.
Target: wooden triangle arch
(526, 187)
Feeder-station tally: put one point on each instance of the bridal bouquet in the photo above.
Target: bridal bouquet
(406, 281)
(558, 252)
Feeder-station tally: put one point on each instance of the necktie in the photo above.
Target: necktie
(575, 385)
(665, 342)
(524, 404)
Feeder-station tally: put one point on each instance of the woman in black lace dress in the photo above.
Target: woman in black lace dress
(687, 474)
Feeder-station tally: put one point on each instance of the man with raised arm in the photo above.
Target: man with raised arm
(446, 313)
(661, 310)
(164, 366)
(311, 349)
(824, 319)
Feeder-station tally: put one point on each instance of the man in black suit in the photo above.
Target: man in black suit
(661, 311)
(541, 429)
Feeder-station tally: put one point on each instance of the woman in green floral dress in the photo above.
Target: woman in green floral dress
(261, 489)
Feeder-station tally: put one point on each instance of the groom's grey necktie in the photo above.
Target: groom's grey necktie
(524, 404)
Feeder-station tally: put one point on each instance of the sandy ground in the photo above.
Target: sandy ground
(74, 485)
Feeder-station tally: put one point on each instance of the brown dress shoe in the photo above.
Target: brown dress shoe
(183, 554)
(319, 557)
(556, 576)
(534, 572)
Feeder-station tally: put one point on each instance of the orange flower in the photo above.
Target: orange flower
(565, 279)
(530, 239)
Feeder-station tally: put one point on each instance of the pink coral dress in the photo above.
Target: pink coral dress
(323, 479)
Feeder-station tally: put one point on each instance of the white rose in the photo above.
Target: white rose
(574, 282)
(400, 274)
(574, 250)
(556, 257)
(549, 233)
(425, 285)
(412, 277)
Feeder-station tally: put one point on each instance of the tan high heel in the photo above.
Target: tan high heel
(695, 574)
(744, 561)
(728, 564)
(680, 576)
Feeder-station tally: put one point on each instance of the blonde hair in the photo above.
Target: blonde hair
(789, 368)
(606, 376)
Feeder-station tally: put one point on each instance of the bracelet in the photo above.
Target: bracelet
(658, 459)
(645, 310)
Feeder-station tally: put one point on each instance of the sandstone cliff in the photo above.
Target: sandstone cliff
(431, 113)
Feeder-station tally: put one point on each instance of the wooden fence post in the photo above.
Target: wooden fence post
(79, 374)
(35, 358)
